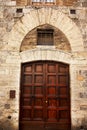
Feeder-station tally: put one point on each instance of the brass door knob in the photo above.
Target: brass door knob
(46, 101)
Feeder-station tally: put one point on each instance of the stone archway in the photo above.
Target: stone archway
(59, 41)
(42, 16)
(28, 22)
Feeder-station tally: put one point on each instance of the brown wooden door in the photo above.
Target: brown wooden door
(45, 99)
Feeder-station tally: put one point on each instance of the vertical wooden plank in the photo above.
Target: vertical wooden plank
(29, 2)
(59, 2)
(48, 104)
(65, 2)
(21, 2)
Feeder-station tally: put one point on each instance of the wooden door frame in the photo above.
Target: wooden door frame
(42, 61)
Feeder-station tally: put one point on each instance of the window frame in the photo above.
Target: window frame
(45, 36)
(43, 2)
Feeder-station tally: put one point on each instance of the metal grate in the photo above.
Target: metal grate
(45, 36)
(19, 10)
(43, 1)
(72, 11)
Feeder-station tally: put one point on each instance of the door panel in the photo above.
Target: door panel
(45, 99)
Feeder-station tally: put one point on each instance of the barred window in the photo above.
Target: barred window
(43, 1)
(45, 36)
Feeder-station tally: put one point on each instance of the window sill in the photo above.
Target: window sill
(43, 3)
(45, 47)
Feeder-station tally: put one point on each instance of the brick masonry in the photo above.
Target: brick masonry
(60, 40)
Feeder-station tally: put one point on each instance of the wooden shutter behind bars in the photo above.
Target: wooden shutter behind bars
(65, 2)
(29, 2)
(58, 2)
(21, 2)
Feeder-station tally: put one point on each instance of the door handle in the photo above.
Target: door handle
(46, 101)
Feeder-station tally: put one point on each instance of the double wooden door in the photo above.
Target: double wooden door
(45, 96)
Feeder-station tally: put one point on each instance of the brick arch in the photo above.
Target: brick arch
(37, 17)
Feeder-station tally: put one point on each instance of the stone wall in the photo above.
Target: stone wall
(14, 28)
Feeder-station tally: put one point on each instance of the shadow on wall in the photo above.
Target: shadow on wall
(7, 124)
(84, 123)
(81, 126)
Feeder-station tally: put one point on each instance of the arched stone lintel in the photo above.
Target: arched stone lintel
(46, 16)
(45, 54)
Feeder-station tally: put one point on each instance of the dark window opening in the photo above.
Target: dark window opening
(72, 11)
(19, 10)
(45, 36)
